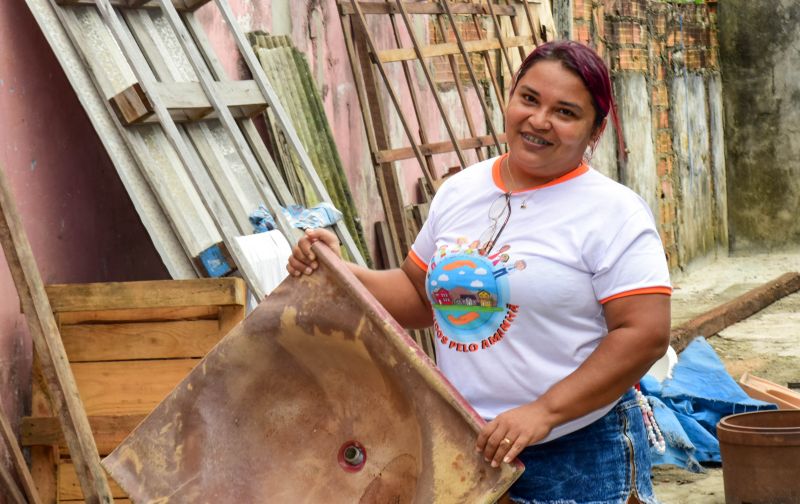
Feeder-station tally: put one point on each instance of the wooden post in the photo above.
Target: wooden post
(52, 357)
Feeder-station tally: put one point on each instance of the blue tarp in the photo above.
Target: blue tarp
(688, 406)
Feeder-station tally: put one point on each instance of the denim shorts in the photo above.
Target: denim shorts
(594, 465)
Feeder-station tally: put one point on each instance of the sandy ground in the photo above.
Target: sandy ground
(765, 344)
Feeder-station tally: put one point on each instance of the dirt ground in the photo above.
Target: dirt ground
(764, 345)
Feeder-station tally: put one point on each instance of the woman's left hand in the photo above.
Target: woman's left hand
(502, 439)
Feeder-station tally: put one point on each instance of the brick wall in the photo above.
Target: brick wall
(661, 40)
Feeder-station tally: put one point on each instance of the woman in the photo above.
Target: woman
(547, 288)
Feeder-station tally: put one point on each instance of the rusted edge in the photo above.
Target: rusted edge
(717, 319)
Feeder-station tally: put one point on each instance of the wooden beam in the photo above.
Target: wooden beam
(140, 341)
(180, 5)
(128, 387)
(470, 46)
(346, 9)
(108, 431)
(717, 319)
(70, 490)
(146, 294)
(187, 102)
(61, 384)
(12, 448)
(390, 155)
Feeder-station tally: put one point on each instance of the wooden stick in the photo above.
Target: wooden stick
(19, 461)
(47, 342)
(429, 77)
(392, 55)
(10, 486)
(500, 37)
(717, 319)
(535, 35)
(471, 71)
(488, 61)
(516, 30)
(390, 155)
(459, 87)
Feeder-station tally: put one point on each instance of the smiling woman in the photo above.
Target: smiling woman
(547, 288)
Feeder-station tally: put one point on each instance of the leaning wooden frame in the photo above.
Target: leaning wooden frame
(504, 32)
(183, 120)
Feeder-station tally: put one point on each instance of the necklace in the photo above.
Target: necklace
(524, 204)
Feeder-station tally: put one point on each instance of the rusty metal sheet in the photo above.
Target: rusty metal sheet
(317, 396)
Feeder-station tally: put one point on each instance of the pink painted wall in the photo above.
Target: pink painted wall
(76, 212)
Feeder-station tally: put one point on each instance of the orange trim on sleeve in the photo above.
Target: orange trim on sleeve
(498, 178)
(416, 260)
(634, 292)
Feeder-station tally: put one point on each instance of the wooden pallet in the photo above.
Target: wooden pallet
(128, 345)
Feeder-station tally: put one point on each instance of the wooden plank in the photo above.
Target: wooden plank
(390, 155)
(128, 387)
(140, 314)
(146, 294)
(138, 341)
(444, 49)
(181, 5)
(69, 489)
(717, 319)
(44, 470)
(108, 431)
(345, 8)
(47, 343)
(12, 448)
(186, 101)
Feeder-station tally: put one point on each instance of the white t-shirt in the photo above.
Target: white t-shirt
(512, 323)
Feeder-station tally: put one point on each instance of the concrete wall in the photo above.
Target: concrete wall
(759, 44)
(664, 64)
(78, 217)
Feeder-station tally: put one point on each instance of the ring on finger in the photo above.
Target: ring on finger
(506, 441)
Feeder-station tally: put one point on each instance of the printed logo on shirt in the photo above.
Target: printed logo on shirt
(469, 293)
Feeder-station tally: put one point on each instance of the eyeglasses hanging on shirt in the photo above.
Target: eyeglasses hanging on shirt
(499, 213)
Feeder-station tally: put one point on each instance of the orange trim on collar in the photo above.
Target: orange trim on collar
(417, 260)
(498, 179)
(634, 292)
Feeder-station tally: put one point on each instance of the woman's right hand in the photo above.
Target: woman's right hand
(303, 261)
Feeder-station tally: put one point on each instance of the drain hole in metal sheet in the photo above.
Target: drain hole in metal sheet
(352, 456)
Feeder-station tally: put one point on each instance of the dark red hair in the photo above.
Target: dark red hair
(586, 64)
